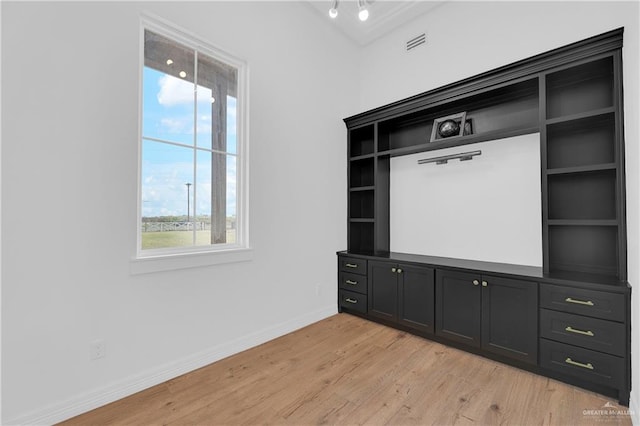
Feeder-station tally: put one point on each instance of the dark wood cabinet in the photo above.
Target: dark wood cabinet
(584, 334)
(402, 293)
(458, 307)
(352, 284)
(496, 314)
(416, 297)
(510, 318)
(383, 290)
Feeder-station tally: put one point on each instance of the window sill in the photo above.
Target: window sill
(170, 262)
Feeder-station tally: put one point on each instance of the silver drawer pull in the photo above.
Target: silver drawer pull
(588, 366)
(351, 265)
(579, 302)
(350, 300)
(575, 330)
(351, 282)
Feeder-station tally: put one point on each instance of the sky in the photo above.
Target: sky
(168, 114)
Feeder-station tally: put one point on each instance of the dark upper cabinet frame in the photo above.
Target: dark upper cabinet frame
(571, 95)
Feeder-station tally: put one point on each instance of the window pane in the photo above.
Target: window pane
(231, 185)
(216, 83)
(232, 124)
(203, 198)
(206, 103)
(168, 93)
(218, 199)
(215, 199)
(167, 200)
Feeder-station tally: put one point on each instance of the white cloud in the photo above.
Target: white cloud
(174, 125)
(174, 91)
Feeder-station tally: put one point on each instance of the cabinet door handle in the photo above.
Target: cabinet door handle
(394, 270)
(350, 300)
(579, 302)
(351, 282)
(399, 270)
(476, 282)
(588, 365)
(575, 330)
(484, 284)
(351, 265)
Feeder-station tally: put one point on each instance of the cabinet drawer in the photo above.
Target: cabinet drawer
(583, 363)
(353, 282)
(596, 334)
(353, 265)
(354, 301)
(592, 303)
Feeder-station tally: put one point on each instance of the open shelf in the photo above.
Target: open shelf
(583, 222)
(581, 88)
(581, 169)
(361, 236)
(583, 142)
(590, 195)
(588, 249)
(361, 173)
(361, 204)
(362, 188)
(508, 108)
(460, 141)
(361, 141)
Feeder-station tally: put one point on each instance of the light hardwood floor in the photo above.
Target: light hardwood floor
(345, 370)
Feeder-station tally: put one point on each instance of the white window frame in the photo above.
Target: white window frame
(153, 260)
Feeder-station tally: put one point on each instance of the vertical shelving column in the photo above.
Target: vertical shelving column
(583, 170)
(361, 214)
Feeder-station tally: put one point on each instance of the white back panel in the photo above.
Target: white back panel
(485, 209)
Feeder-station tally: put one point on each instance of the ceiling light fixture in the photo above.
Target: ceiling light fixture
(363, 13)
(333, 12)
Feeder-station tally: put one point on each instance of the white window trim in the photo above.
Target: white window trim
(156, 260)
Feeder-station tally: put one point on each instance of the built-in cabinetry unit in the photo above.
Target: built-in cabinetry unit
(568, 319)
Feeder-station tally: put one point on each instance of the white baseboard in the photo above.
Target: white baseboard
(82, 403)
(634, 408)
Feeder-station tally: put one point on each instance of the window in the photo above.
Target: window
(192, 151)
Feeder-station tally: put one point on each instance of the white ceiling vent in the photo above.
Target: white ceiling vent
(416, 41)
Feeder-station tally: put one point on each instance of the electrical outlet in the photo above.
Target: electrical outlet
(97, 349)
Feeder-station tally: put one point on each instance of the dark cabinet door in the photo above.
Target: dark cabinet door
(416, 297)
(458, 306)
(383, 290)
(509, 318)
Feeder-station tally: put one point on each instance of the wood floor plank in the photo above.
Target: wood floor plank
(345, 370)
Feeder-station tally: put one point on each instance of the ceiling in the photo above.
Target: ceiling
(384, 16)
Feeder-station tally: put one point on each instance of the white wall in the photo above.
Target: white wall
(501, 225)
(467, 38)
(69, 145)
